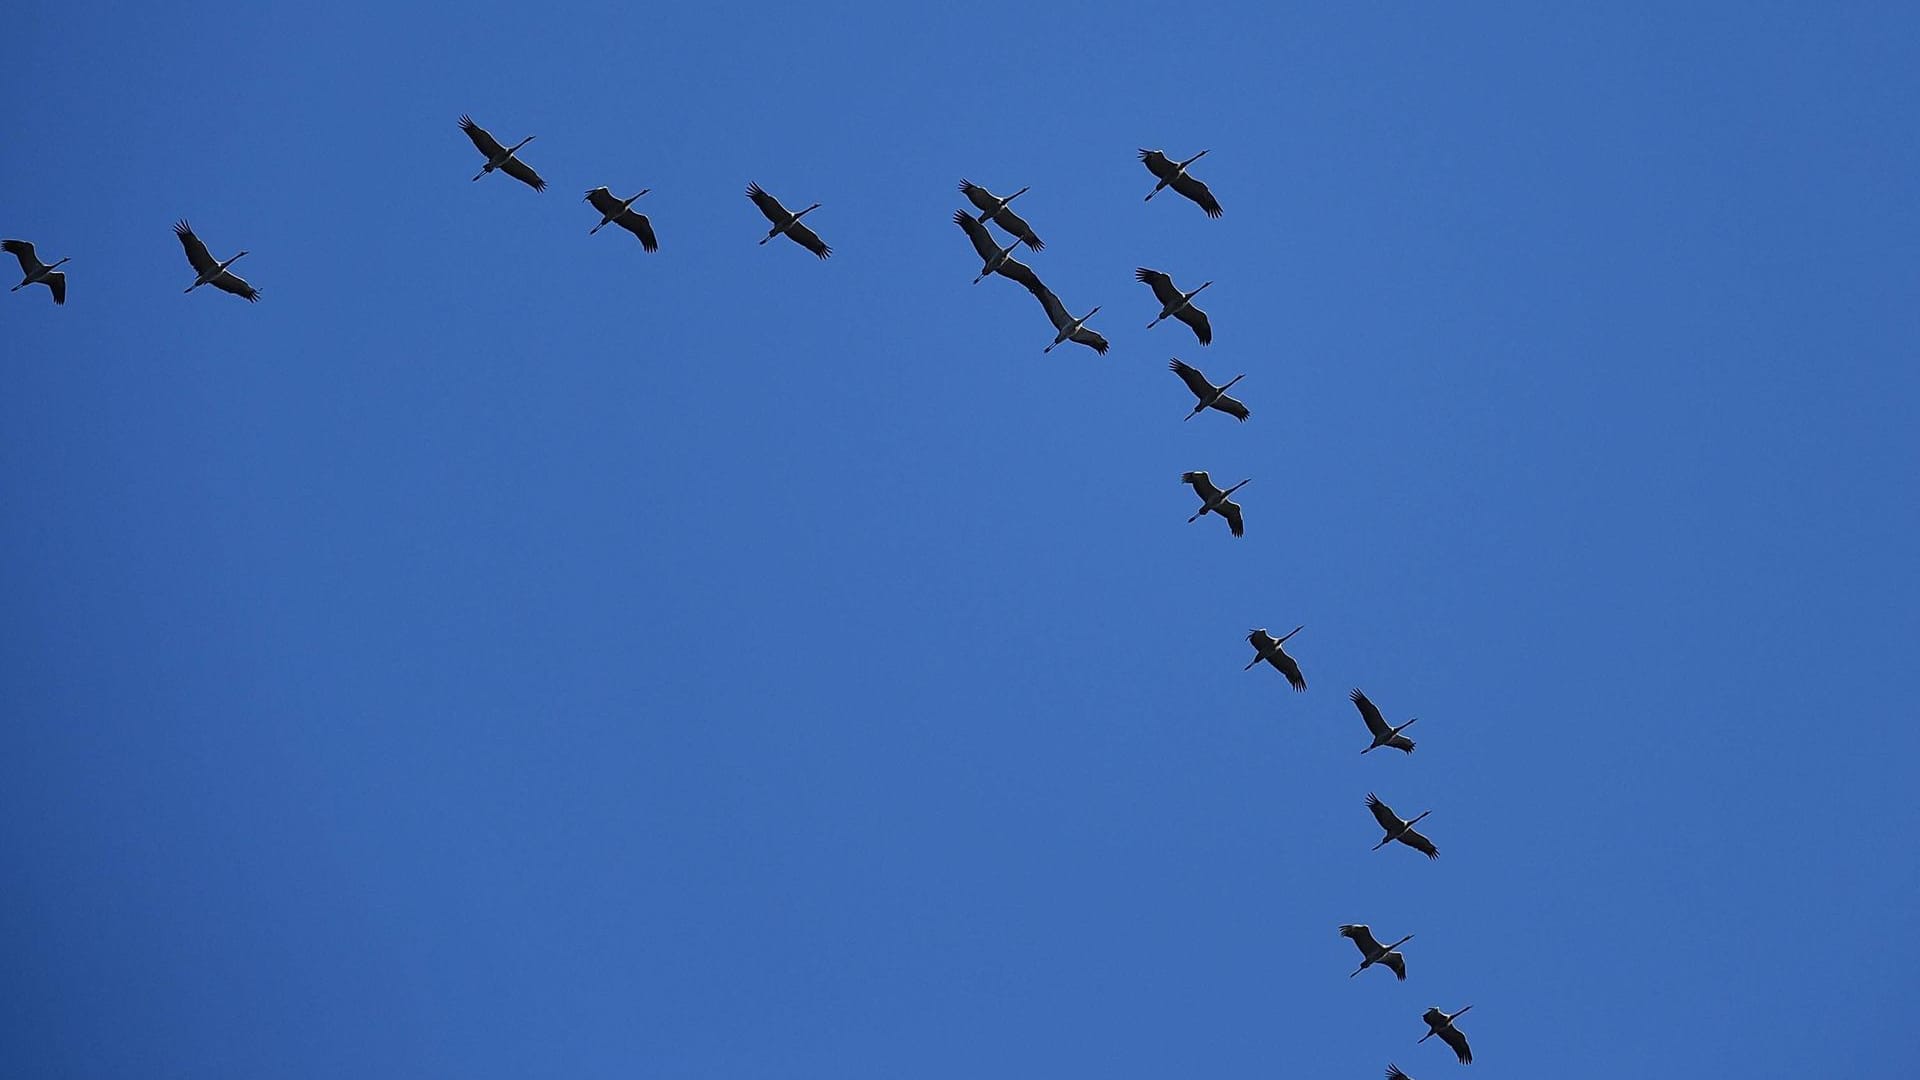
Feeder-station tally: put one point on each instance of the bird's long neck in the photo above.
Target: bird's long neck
(1296, 629)
(1462, 1012)
(518, 145)
(1397, 944)
(68, 258)
(1231, 381)
(807, 211)
(231, 261)
(1411, 823)
(1235, 488)
(1198, 291)
(1191, 160)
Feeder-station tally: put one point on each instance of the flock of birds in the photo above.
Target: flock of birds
(1175, 303)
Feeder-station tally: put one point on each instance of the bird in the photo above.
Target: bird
(995, 207)
(210, 272)
(1070, 328)
(1175, 304)
(998, 259)
(1402, 831)
(35, 271)
(1211, 396)
(1372, 952)
(1441, 1024)
(501, 157)
(1175, 176)
(789, 223)
(1383, 735)
(1215, 501)
(618, 211)
(1394, 1073)
(1269, 648)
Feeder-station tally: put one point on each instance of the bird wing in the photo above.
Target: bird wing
(57, 281)
(809, 239)
(1203, 486)
(1261, 640)
(638, 225)
(1197, 319)
(1017, 226)
(228, 281)
(201, 259)
(978, 195)
(1361, 935)
(1285, 664)
(1056, 311)
(1400, 742)
(1231, 511)
(976, 232)
(1452, 1037)
(524, 173)
(603, 201)
(1161, 284)
(1418, 842)
(1157, 163)
(484, 142)
(1191, 375)
(1020, 272)
(22, 250)
(1394, 1073)
(1383, 813)
(1193, 189)
(1091, 339)
(1232, 406)
(1398, 963)
(768, 205)
(1370, 713)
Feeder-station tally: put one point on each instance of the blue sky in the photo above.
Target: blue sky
(501, 653)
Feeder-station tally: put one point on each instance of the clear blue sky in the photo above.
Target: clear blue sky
(500, 653)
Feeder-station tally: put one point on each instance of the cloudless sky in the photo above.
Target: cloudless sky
(501, 653)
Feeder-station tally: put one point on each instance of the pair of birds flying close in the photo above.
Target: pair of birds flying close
(207, 269)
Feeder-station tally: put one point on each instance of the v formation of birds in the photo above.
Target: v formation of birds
(996, 259)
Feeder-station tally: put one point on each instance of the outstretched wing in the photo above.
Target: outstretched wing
(1394, 1073)
(638, 225)
(1400, 742)
(1383, 813)
(1261, 640)
(57, 281)
(1370, 713)
(1231, 511)
(978, 195)
(976, 232)
(1452, 1037)
(1197, 319)
(1203, 486)
(1283, 663)
(1191, 375)
(1157, 163)
(1414, 839)
(524, 173)
(1017, 226)
(1361, 935)
(228, 281)
(1161, 284)
(603, 200)
(1193, 189)
(201, 259)
(1398, 963)
(809, 239)
(1232, 406)
(1020, 272)
(768, 205)
(1091, 339)
(22, 250)
(1056, 311)
(482, 141)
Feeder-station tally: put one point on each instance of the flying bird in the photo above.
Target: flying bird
(1175, 176)
(1441, 1024)
(619, 212)
(1068, 327)
(1383, 735)
(1402, 831)
(1394, 1073)
(1175, 304)
(995, 207)
(211, 272)
(1269, 648)
(1372, 952)
(998, 259)
(1215, 501)
(501, 157)
(789, 223)
(1211, 396)
(35, 271)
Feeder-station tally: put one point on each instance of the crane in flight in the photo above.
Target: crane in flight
(501, 157)
(36, 272)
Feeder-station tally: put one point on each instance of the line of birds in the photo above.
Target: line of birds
(1175, 303)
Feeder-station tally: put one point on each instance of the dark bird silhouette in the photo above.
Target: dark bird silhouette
(211, 272)
(1211, 396)
(1402, 831)
(787, 222)
(1068, 328)
(1394, 1073)
(1269, 648)
(1175, 176)
(1441, 1024)
(1215, 501)
(1372, 952)
(1383, 735)
(617, 211)
(501, 157)
(36, 272)
(996, 259)
(995, 207)
(1176, 304)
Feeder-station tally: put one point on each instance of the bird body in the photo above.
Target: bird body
(1271, 649)
(1383, 733)
(1441, 1024)
(1209, 395)
(209, 271)
(1402, 831)
(1215, 501)
(35, 272)
(501, 157)
(784, 221)
(994, 207)
(618, 211)
(1175, 304)
(1372, 952)
(1174, 174)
